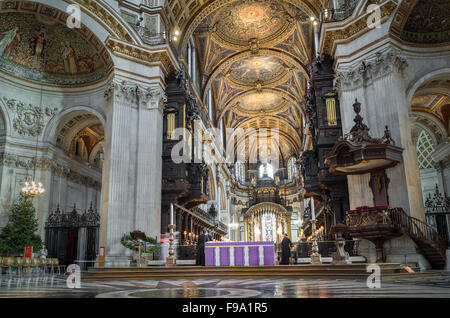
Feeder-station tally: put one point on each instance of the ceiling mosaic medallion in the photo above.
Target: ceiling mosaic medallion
(41, 49)
(240, 22)
(260, 101)
(257, 69)
(428, 22)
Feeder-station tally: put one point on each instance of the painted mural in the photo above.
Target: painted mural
(257, 19)
(45, 51)
(260, 101)
(428, 22)
(257, 69)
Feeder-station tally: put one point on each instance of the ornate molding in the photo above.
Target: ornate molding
(115, 26)
(123, 91)
(143, 55)
(29, 120)
(370, 69)
(47, 164)
(156, 96)
(135, 95)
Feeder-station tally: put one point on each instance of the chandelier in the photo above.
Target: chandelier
(32, 189)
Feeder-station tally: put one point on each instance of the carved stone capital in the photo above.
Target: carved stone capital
(122, 91)
(373, 67)
(152, 98)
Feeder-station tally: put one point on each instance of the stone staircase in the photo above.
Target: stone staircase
(428, 241)
(344, 271)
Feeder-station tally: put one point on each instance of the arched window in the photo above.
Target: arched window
(239, 171)
(425, 147)
(209, 103)
(266, 169)
(292, 168)
(192, 61)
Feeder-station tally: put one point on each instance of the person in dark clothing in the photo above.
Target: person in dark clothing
(202, 239)
(286, 245)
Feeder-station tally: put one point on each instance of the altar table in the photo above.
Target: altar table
(239, 253)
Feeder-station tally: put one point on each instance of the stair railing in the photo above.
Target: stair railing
(417, 229)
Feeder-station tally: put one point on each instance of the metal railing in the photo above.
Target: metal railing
(417, 229)
(21, 271)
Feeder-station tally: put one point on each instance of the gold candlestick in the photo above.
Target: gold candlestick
(170, 260)
(315, 256)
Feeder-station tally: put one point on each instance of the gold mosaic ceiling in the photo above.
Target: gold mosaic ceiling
(265, 20)
(253, 55)
(259, 68)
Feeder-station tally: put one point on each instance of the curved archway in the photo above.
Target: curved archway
(427, 96)
(429, 76)
(51, 130)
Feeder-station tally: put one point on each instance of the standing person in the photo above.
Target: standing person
(202, 239)
(43, 252)
(286, 245)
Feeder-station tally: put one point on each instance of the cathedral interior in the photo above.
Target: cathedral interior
(252, 119)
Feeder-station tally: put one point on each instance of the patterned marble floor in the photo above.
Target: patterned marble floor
(431, 287)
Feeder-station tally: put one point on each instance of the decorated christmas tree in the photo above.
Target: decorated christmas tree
(20, 230)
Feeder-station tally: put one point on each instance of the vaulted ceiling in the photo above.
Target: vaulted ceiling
(253, 55)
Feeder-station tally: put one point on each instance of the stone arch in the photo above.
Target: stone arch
(415, 85)
(432, 124)
(51, 130)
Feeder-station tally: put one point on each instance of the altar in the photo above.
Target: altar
(239, 253)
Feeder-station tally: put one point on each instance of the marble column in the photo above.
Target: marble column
(117, 215)
(131, 180)
(377, 82)
(148, 163)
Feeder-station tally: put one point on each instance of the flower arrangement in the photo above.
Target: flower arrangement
(149, 245)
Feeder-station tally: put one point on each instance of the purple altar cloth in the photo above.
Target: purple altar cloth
(239, 253)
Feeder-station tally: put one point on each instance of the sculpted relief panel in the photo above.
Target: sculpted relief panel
(29, 120)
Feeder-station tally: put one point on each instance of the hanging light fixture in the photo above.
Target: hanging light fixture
(32, 187)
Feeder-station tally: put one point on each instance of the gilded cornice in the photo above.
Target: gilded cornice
(142, 55)
(96, 10)
(351, 29)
